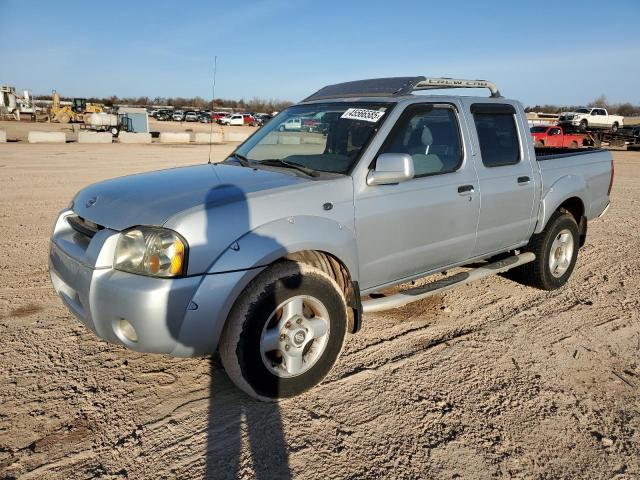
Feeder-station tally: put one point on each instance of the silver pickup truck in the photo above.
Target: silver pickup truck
(273, 255)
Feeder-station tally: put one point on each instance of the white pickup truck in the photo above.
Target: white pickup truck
(591, 118)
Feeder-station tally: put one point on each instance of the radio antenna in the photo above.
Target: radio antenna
(213, 99)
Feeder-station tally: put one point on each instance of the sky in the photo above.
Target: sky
(563, 52)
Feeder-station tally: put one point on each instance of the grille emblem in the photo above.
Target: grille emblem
(91, 202)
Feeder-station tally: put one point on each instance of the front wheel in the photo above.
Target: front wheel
(583, 126)
(556, 249)
(285, 332)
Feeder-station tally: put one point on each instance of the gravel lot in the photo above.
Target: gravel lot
(491, 380)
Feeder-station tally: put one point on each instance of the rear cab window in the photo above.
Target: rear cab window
(497, 134)
(430, 134)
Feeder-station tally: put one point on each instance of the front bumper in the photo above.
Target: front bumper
(180, 317)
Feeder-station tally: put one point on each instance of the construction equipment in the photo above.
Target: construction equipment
(73, 113)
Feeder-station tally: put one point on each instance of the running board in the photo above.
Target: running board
(418, 293)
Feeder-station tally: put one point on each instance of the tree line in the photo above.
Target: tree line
(625, 109)
(255, 104)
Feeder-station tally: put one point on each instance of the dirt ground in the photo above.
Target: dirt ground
(494, 380)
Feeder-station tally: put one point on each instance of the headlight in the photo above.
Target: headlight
(158, 252)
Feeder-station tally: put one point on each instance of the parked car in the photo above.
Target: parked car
(554, 136)
(292, 124)
(178, 116)
(262, 119)
(238, 119)
(164, 115)
(218, 115)
(591, 118)
(204, 117)
(271, 256)
(224, 119)
(191, 116)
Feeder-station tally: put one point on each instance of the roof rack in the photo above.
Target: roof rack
(396, 87)
(437, 83)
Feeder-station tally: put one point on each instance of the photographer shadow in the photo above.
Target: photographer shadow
(236, 421)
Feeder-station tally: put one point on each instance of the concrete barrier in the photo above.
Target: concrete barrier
(175, 137)
(289, 140)
(3, 136)
(206, 138)
(94, 137)
(270, 139)
(129, 137)
(236, 136)
(314, 140)
(46, 137)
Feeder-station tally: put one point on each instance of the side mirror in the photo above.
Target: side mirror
(391, 168)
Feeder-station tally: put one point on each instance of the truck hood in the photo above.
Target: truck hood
(153, 198)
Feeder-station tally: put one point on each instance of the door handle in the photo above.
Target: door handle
(524, 180)
(465, 190)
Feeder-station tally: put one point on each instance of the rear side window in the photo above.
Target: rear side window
(497, 134)
(431, 135)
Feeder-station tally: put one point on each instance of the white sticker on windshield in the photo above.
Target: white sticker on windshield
(363, 114)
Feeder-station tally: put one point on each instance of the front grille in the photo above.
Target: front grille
(85, 227)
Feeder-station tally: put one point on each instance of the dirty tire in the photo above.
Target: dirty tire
(614, 127)
(240, 341)
(574, 145)
(539, 144)
(538, 273)
(584, 125)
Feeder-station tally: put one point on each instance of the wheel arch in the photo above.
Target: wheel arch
(317, 241)
(569, 193)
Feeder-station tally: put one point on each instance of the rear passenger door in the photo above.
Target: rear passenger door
(506, 178)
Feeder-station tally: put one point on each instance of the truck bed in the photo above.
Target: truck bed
(550, 153)
(587, 170)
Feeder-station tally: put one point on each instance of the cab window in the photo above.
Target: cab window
(497, 134)
(431, 135)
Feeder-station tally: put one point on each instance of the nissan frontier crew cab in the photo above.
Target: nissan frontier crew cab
(272, 256)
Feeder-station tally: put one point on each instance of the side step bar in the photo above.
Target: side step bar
(418, 293)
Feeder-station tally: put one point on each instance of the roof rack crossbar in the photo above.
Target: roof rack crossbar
(438, 83)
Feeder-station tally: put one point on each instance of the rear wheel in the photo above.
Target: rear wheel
(556, 249)
(614, 127)
(285, 332)
(574, 145)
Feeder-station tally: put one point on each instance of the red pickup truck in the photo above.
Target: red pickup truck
(553, 136)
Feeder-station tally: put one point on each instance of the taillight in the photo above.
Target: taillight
(613, 170)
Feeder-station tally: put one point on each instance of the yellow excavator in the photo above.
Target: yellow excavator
(73, 113)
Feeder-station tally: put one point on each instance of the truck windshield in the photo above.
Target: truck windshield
(327, 137)
(538, 129)
(583, 110)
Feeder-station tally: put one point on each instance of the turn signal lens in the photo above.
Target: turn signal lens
(151, 251)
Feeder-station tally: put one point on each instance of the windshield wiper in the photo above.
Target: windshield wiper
(276, 162)
(242, 160)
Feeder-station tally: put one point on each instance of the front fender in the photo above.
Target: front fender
(561, 190)
(274, 240)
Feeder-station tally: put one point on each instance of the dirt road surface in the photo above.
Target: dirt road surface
(494, 380)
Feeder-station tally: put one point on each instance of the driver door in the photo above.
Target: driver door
(429, 221)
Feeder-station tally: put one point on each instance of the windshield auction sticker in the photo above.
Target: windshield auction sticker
(363, 114)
